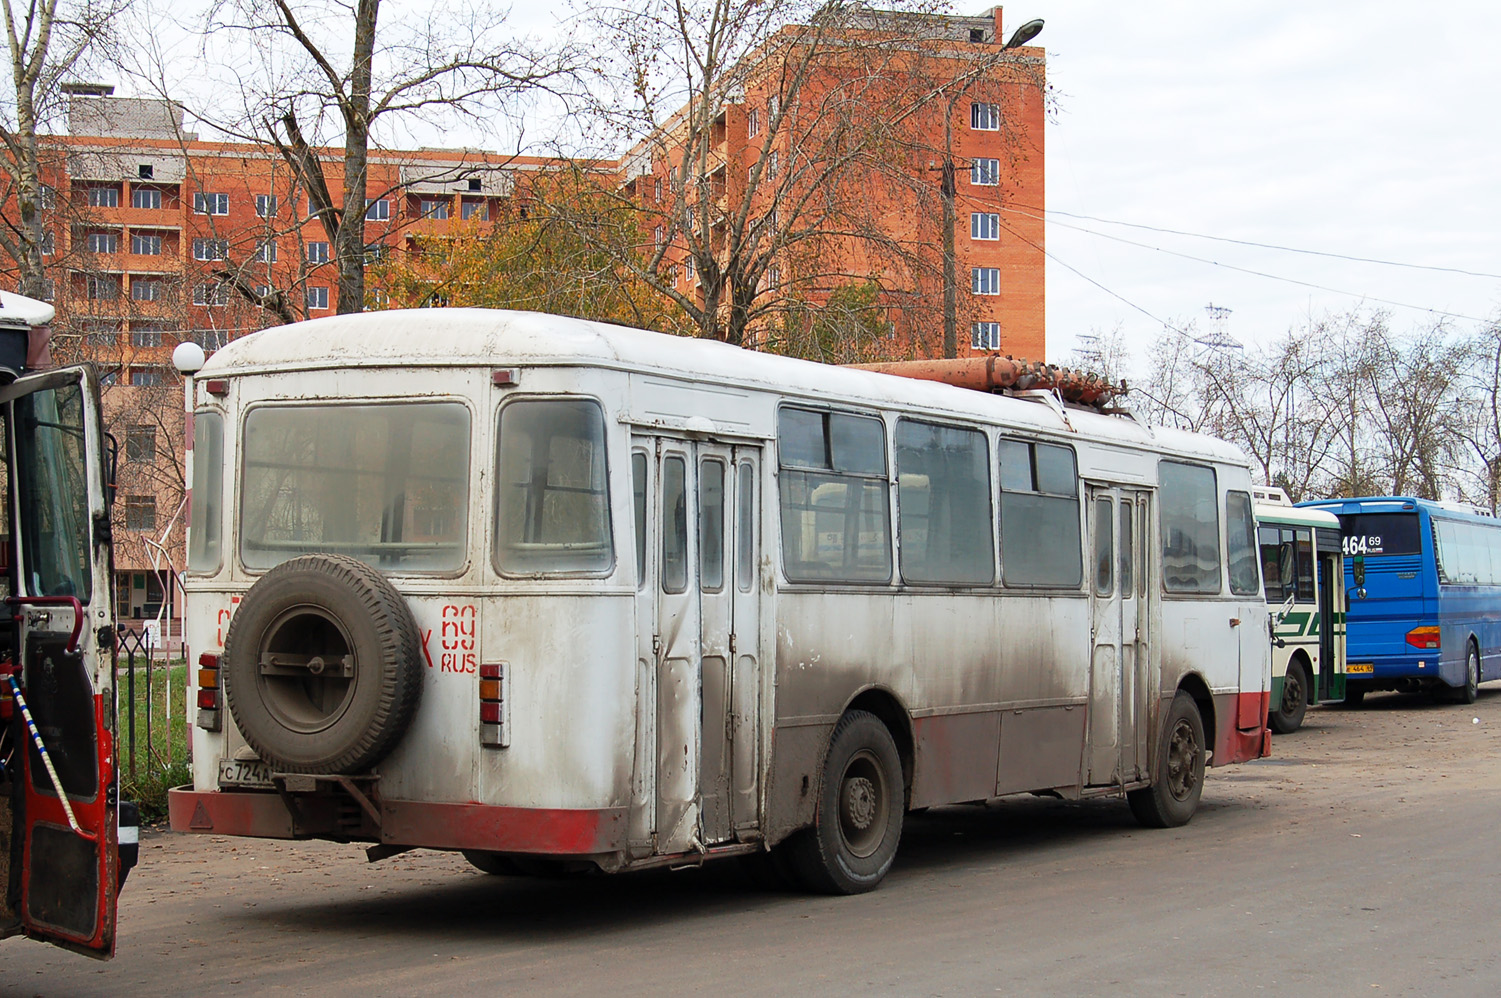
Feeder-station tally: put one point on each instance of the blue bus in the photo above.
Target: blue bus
(1423, 596)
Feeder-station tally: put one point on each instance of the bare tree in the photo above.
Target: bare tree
(322, 69)
(48, 41)
(1481, 431)
(781, 150)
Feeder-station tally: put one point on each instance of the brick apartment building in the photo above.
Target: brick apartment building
(143, 219)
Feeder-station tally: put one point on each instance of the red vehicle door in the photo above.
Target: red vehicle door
(61, 825)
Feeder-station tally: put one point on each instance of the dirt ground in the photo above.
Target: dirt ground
(1356, 860)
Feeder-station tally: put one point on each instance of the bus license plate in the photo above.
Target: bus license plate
(243, 773)
(1355, 668)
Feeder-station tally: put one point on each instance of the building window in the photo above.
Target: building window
(376, 252)
(656, 187)
(47, 197)
(146, 337)
(434, 209)
(265, 205)
(104, 197)
(985, 336)
(773, 104)
(985, 172)
(266, 253)
(772, 161)
(753, 123)
(140, 512)
(985, 117)
(102, 242)
(317, 298)
(145, 289)
(659, 234)
(210, 249)
(49, 245)
(212, 294)
(985, 280)
(773, 278)
(317, 252)
(377, 210)
(101, 288)
(140, 443)
(146, 197)
(145, 244)
(100, 334)
(210, 204)
(474, 209)
(985, 225)
(688, 267)
(49, 289)
(145, 377)
(209, 339)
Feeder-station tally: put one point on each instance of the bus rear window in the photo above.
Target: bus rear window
(552, 510)
(387, 484)
(1380, 533)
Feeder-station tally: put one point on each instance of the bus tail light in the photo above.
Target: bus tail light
(1423, 637)
(493, 729)
(209, 702)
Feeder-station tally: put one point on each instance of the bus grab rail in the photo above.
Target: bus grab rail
(68, 601)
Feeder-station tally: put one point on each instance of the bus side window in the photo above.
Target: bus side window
(1041, 543)
(1305, 564)
(711, 525)
(638, 502)
(1240, 543)
(745, 531)
(1271, 563)
(674, 525)
(1104, 515)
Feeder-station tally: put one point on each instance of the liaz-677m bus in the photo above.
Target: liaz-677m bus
(1424, 596)
(551, 592)
(1305, 593)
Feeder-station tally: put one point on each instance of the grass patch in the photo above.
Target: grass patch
(160, 757)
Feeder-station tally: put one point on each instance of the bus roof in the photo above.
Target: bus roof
(1276, 513)
(467, 337)
(1399, 504)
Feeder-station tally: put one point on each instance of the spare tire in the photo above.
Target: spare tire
(322, 666)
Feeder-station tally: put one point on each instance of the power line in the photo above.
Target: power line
(1270, 246)
(1255, 273)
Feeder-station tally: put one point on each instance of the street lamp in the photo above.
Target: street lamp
(1019, 37)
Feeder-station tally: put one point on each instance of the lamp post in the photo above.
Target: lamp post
(1019, 37)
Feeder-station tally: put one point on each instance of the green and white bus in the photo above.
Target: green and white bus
(1303, 573)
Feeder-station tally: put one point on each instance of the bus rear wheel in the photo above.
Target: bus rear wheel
(1173, 797)
(1470, 691)
(1287, 716)
(858, 820)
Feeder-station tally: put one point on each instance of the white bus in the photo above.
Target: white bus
(1304, 573)
(549, 591)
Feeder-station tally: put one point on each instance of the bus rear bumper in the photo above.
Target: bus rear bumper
(423, 824)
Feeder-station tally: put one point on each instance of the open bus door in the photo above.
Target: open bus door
(1330, 684)
(58, 812)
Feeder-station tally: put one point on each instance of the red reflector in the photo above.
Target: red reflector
(489, 713)
(208, 660)
(503, 378)
(489, 672)
(208, 699)
(216, 386)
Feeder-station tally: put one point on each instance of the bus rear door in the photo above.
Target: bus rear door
(62, 869)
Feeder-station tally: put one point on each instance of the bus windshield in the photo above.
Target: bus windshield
(1381, 533)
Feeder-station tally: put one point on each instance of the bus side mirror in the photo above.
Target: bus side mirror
(1359, 568)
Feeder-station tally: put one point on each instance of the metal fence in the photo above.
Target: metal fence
(151, 720)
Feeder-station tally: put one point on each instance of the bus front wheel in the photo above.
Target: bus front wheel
(858, 821)
(1287, 716)
(1173, 797)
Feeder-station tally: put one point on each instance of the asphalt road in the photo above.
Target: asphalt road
(1356, 861)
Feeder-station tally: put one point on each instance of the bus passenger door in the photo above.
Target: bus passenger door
(1106, 687)
(61, 822)
(1331, 583)
(729, 551)
(1118, 621)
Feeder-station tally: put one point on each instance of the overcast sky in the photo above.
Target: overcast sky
(1358, 129)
